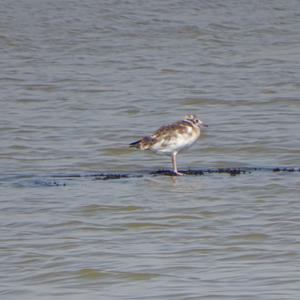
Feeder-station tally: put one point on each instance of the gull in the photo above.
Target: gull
(172, 139)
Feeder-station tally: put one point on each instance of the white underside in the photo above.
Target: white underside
(174, 145)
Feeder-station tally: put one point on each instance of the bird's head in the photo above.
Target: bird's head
(194, 120)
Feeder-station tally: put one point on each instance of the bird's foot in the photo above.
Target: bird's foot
(178, 173)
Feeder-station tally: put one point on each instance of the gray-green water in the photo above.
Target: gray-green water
(82, 79)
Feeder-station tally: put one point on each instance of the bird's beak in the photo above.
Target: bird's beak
(204, 125)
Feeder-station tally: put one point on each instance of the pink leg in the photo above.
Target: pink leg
(174, 163)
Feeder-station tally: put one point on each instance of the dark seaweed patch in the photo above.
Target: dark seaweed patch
(39, 183)
(59, 180)
(110, 176)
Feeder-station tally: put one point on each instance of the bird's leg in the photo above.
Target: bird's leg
(175, 164)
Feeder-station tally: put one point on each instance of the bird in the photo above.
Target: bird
(172, 139)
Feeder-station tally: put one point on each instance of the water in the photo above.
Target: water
(80, 80)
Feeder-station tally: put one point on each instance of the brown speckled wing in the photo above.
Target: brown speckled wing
(169, 131)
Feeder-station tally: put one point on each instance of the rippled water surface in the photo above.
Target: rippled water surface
(80, 80)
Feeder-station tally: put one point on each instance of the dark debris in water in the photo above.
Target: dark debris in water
(232, 172)
(199, 172)
(229, 171)
(110, 176)
(286, 169)
(59, 180)
(39, 183)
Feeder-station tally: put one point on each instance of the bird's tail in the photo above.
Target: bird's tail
(135, 144)
(142, 144)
